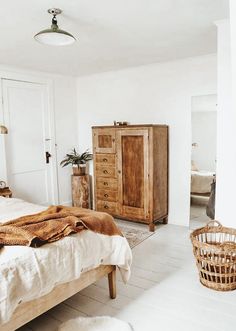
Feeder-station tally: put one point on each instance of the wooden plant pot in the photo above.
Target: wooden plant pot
(80, 191)
(79, 170)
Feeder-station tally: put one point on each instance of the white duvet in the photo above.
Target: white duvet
(28, 273)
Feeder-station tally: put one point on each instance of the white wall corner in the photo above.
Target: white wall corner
(226, 123)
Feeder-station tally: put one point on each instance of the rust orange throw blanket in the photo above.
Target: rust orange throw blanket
(53, 224)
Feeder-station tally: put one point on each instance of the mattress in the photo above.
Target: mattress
(201, 181)
(28, 273)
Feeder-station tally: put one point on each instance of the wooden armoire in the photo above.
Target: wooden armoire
(131, 172)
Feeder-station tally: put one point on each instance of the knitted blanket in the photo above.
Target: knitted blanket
(53, 224)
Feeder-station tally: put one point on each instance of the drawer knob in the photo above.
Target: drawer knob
(105, 160)
(105, 171)
(106, 207)
(106, 195)
(105, 183)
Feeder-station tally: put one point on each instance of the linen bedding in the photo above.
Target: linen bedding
(28, 273)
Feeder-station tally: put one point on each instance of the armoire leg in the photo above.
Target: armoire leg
(151, 227)
(165, 220)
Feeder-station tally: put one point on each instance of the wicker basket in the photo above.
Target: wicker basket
(214, 248)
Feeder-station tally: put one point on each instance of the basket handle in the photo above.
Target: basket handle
(212, 223)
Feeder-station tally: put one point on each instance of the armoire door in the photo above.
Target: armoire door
(30, 171)
(133, 181)
(104, 140)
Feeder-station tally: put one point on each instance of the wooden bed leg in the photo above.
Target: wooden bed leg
(112, 283)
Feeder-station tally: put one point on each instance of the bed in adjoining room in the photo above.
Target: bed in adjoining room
(201, 182)
(33, 280)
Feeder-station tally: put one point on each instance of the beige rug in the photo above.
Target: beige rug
(135, 233)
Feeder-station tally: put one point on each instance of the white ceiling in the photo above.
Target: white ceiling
(110, 34)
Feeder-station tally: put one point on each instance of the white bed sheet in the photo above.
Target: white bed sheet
(28, 273)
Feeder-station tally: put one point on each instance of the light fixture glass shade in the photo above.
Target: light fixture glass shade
(54, 37)
(3, 129)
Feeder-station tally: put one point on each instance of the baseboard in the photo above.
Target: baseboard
(66, 203)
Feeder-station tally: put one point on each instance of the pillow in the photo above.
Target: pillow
(193, 166)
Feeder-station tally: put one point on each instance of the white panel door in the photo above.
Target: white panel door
(26, 112)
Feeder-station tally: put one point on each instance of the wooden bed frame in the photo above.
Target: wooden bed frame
(29, 310)
(206, 195)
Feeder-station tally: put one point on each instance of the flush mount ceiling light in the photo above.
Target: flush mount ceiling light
(54, 36)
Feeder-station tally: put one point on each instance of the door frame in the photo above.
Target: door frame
(49, 86)
(212, 93)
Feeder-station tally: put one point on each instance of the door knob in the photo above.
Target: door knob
(48, 155)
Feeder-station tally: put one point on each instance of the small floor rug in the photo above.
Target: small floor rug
(101, 323)
(134, 233)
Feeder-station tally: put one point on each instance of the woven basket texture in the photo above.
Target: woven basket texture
(214, 247)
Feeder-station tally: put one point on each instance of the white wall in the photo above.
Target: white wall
(64, 103)
(158, 93)
(226, 151)
(204, 103)
(204, 133)
(66, 130)
(226, 123)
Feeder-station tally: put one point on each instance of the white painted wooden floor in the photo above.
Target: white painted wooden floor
(163, 293)
(198, 216)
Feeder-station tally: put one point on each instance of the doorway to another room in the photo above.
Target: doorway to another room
(203, 159)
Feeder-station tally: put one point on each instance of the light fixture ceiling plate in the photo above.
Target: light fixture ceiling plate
(54, 11)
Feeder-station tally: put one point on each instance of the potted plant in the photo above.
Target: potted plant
(78, 161)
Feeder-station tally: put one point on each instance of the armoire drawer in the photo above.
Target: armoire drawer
(107, 206)
(107, 195)
(106, 183)
(105, 159)
(105, 171)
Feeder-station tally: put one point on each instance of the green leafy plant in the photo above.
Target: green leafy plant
(74, 158)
